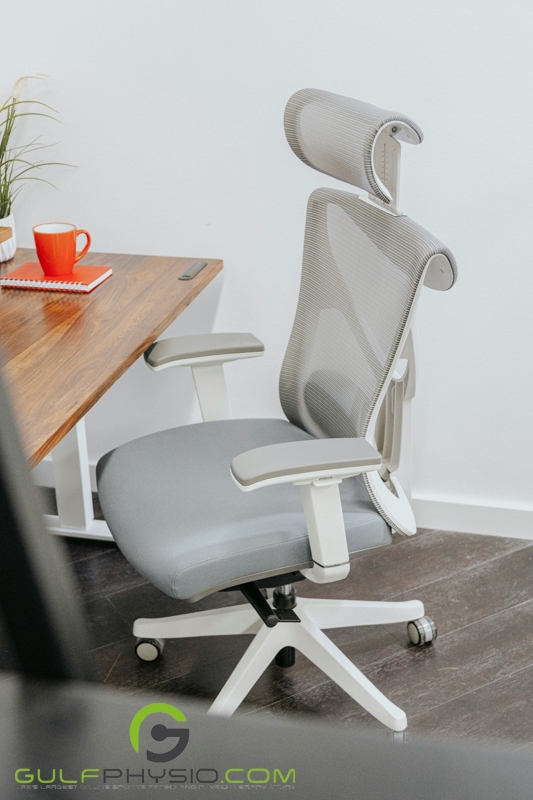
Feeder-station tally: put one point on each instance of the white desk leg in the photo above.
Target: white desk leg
(73, 489)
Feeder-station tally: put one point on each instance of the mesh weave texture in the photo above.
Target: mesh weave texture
(335, 134)
(361, 269)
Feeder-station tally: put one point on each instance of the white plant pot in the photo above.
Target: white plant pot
(8, 248)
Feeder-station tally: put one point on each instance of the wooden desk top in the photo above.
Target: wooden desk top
(61, 352)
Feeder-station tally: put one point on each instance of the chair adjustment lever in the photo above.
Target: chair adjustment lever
(270, 616)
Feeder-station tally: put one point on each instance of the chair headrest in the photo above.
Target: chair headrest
(348, 139)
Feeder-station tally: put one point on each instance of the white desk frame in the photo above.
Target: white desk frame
(73, 490)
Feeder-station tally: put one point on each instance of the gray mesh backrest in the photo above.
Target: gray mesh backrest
(336, 135)
(361, 269)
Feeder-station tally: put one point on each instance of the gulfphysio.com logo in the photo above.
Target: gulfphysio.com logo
(160, 732)
(52, 777)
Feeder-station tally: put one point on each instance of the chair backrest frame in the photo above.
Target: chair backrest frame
(364, 266)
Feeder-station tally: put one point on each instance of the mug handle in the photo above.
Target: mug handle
(86, 248)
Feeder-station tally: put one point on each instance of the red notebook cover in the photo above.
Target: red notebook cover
(31, 276)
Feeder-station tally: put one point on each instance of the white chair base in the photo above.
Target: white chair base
(306, 636)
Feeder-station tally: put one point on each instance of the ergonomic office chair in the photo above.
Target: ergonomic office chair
(255, 503)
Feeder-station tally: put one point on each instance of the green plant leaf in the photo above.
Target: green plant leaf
(15, 164)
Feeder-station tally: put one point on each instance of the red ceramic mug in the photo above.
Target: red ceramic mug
(55, 243)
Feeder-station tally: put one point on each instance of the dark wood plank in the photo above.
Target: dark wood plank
(420, 680)
(502, 710)
(120, 666)
(412, 562)
(186, 662)
(80, 549)
(476, 592)
(62, 352)
(104, 574)
(105, 623)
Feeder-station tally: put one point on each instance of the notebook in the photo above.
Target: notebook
(31, 276)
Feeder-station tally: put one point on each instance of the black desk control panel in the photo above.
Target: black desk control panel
(193, 271)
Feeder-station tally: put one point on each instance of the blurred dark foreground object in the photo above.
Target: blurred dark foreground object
(38, 601)
(73, 726)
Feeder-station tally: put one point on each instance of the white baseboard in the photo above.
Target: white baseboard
(515, 523)
(43, 474)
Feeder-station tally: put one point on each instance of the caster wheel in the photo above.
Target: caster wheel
(422, 631)
(399, 737)
(149, 649)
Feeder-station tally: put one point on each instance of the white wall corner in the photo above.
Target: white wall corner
(489, 520)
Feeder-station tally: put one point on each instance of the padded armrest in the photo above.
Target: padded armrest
(204, 348)
(310, 460)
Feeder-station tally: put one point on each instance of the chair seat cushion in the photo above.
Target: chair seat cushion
(179, 519)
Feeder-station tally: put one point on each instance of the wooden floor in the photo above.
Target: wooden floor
(476, 681)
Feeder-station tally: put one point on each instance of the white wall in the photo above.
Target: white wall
(173, 113)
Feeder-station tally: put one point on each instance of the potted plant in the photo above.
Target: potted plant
(16, 162)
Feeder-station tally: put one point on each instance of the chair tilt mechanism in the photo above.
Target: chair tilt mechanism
(259, 504)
